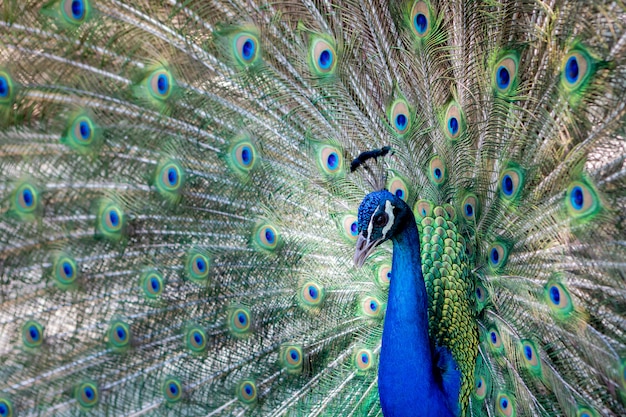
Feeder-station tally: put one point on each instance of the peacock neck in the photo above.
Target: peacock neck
(406, 383)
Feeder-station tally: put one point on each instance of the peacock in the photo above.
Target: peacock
(312, 208)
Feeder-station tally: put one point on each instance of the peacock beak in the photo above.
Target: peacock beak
(364, 248)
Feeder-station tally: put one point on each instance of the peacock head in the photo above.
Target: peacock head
(381, 216)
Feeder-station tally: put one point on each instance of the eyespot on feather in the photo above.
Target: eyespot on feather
(152, 284)
(363, 360)
(65, 271)
(494, 339)
(172, 390)
(111, 220)
(497, 255)
(160, 84)
(397, 186)
(511, 183)
(437, 170)
(350, 227)
(75, 12)
(481, 387)
(330, 160)
(247, 392)
(32, 334)
(505, 406)
(169, 180)
(195, 339)
(530, 356)
(423, 208)
(454, 121)
(586, 412)
(582, 201)
(6, 407)
(577, 68)
(87, 395)
(242, 155)
(421, 20)
(7, 88)
(247, 48)
(266, 237)
(399, 116)
(383, 275)
(371, 307)
(469, 207)
(26, 201)
(119, 335)
(197, 266)
(557, 297)
(322, 57)
(505, 74)
(311, 294)
(292, 358)
(239, 320)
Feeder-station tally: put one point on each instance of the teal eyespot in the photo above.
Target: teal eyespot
(481, 296)
(371, 307)
(481, 387)
(65, 271)
(494, 340)
(557, 297)
(505, 74)
(152, 284)
(32, 334)
(530, 356)
(350, 227)
(582, 201)
(454, 121)
(26, 202)
(239, 320)
(266, 237)
(399, 116)
(196, 339)
(242, 155)
(311, 294)
(172, 390)
(586, 412)
(322, 57)
(75, 12)
(469, 207)
(437, 170)
(292, 358)
(383, 275)
(505, 406)
(420, 19)
(111, 220)
(6, 407)
(497, 255)
(511, 183)
(87, 395)
(397, 186)
(197, 266)
(576, 69)
(330, 160)
(170, 179)
(423, 208)
(247, 49)
(160, 84)
(119, 335)
(363, 360)
(247, 392)
(7, 88)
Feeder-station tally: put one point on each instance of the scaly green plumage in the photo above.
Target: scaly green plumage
(178, 216)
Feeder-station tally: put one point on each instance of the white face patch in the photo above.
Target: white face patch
(391, 218)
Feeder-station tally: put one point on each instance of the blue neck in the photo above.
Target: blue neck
(406, 383)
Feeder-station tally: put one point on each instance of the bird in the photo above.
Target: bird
(312, 208)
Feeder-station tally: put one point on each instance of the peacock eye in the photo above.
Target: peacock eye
(381, 220)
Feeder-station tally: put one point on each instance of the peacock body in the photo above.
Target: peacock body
(178, 218)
